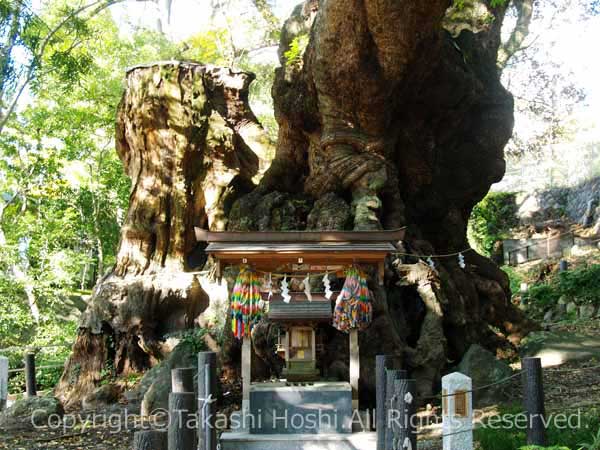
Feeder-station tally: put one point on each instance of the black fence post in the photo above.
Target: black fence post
(382, 364)
(30, 383)
(182, 380)
(391, 377)
(405, 403)
(533, 400)
(207, 400)
(150, 440)
(182, 410)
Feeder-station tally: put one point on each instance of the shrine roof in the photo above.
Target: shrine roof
(268, 250)
(300, 237)
(276, 247)
(300, 308)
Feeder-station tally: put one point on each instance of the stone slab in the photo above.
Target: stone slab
(312, 408)
(246, 441)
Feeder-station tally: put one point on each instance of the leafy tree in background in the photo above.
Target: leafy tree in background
(62, 185)
(63, 193)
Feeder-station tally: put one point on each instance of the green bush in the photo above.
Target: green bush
(491, 220)
(508, 436)
(581, 284)
(543, 295)
(514, 277)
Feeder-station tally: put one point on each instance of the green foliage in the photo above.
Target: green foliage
(594, 444)
(461, 4)
(543, 295)
(508, 435)
(581, 284)
(537, 447)
(514, 277)
(295, 53)
(491, 220)
(63, 193)
(194, 338)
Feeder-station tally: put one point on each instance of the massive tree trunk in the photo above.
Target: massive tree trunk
(189, 142)
(386, 120)
(395, 111)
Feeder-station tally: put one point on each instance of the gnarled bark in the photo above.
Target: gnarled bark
(189, 142)
(407, 124)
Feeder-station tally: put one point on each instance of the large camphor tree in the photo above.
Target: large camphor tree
(391, 113)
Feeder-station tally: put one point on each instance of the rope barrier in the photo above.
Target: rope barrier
(52, 366)
(578, 369)
(446, 255)
(421, 433)
(504, 380)
(496, 383)
(35, 347)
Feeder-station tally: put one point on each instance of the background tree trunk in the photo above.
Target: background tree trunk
(186, 136)
(389, 115)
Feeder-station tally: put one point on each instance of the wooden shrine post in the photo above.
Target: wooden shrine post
(354, 367)
(246, 373)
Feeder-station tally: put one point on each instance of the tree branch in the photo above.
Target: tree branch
(96, 7)
(514, 43)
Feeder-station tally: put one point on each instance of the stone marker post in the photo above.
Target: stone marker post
(533, 400)
(457, 412)
(30, 383)
(207, 396)
(3, 382)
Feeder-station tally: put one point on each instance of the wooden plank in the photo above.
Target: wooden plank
(300, 236)
(273, 260)
(354, 367)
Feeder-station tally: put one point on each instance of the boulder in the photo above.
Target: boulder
(484, 368)
(32, 411)
(102, 396)
(549, 316)
(154, 388)
(587, 311)
(572, 308)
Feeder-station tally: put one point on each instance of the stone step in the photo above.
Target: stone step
(333, 441)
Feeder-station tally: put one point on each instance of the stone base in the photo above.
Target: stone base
(246, 441)
(313, 408)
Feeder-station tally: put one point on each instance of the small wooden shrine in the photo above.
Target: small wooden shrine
(298, 344)
(306, 256)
